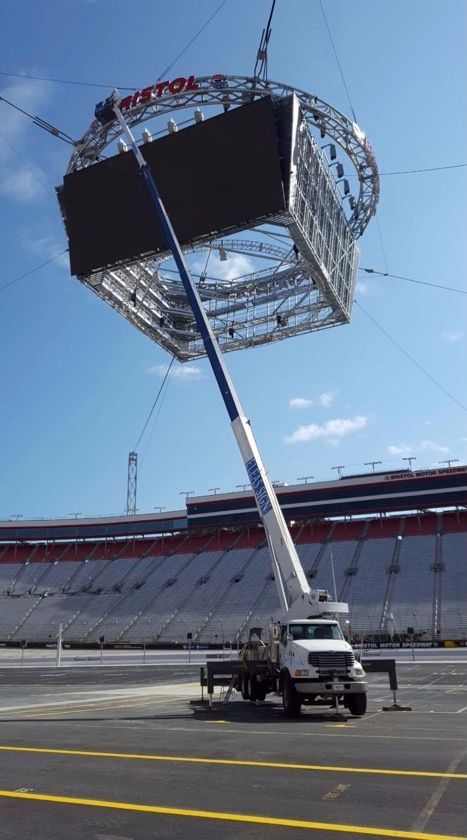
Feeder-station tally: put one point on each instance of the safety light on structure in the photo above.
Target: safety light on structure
(147, 136)
(172, 126)
(222, 254)
(199, 116)
(121, 145)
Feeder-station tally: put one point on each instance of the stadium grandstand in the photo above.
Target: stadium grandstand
(393, 545)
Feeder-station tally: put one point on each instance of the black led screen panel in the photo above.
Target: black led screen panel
(225, 172)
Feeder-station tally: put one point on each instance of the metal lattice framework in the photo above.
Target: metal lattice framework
(308, 282)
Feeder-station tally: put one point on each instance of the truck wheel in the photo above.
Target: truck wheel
(252, 687)
(261, 691)
(356, 704)
(244, 687)
(290, 699)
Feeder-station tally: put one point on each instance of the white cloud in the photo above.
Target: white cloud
(451, 336)
(236, 265)
(403, 449)
(300, 402)
(399, 449)
(363, 287)
(332, 430)
(182, 373)
(431, 446)
(19, 177)
(326, 398)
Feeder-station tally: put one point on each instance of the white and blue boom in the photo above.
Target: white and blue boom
(296, 598)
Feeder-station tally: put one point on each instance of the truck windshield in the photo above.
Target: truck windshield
(315, 631)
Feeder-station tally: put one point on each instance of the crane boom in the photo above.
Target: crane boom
(295, 595)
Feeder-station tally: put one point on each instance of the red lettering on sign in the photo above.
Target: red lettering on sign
(177, 85)
(141, 97)
(191, 84)
(160, 87)
(147, 94)
(125, 103)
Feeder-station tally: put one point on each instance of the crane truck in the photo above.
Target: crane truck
(306, 657)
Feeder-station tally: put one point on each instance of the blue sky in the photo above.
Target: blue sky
(78, 381)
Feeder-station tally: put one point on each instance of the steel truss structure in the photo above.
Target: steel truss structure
(310, 282)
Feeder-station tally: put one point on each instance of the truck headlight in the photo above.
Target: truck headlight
(359, 671)
(301, 672)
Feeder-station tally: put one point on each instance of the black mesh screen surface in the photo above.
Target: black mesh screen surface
(225, 172)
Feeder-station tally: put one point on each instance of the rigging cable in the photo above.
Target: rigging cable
(183, 51)
(411, 280)
(262, 54)
(32, 270)
(428, 169)
(27, 166)
(62, 81)
(154, 403)
(411, 358)
(337, 60)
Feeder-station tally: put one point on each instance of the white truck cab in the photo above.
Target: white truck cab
(316, 664)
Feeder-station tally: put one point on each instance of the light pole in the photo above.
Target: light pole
(159, 508)
(305, 478)
(242, 486)
(410, 459)
(339, 469)
(372, 464)
(213, 490)
(449, 461)
(186, 493)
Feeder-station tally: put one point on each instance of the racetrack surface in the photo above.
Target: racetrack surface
(118, 753)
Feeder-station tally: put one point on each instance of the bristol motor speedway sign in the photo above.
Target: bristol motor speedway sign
(181, 84)
(157, 91)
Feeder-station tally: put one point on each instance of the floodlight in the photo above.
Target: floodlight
(147, 136)
(222, 254)
(199, 116)
(172, 126)
(121, 145)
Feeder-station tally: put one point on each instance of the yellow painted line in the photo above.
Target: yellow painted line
(229, 817)
(232, 762)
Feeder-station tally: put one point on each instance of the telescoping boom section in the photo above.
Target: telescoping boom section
(296, 597)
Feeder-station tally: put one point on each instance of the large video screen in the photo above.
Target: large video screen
(220, 174)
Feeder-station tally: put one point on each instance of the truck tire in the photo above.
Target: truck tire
(261, 691)
(356, 704)
(290, 699)
(244, 686)
(252, 687)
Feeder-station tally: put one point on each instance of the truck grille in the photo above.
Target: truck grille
(331, 663)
